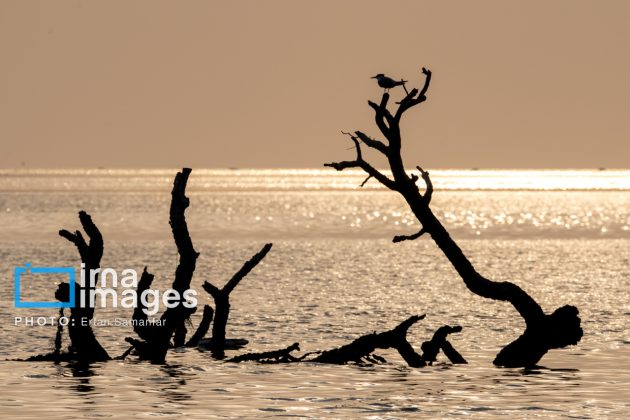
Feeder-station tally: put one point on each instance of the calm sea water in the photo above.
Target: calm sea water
(332, 275)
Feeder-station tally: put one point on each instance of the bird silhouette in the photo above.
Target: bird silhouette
(387, 82)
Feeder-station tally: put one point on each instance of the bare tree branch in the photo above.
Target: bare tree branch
(222, 301)
(247, 267)
(427, 179)
(202, 329)
(411, 100)
(96, 239)
(367, 344)
(373, 143)
(383, 118)
(77, 239)
(427, 82)
(85, 346)
(360, 163)
(401, 238)
(211, 288)
(365, 181)
(158, 338)
(275, 356)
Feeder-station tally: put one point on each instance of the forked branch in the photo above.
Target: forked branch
(543, 331)
(222, 301)
(360, 163)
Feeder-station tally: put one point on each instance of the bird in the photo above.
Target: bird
(387, 82)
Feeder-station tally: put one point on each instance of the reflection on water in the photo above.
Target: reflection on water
(332, 275)
(324, 293)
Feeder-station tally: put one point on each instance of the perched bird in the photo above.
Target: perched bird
(387, 82)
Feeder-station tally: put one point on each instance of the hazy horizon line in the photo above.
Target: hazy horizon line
(289, 168)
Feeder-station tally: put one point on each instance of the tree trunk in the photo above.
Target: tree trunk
(157, 340)
(543, 332)
(222, 301)
(84, 345)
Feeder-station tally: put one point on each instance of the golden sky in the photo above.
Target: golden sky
(123, 83)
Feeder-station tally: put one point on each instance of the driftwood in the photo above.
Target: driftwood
(362, 349)
(222, 301)
(543, 331)
(431, 348)
(202, 328)
(275, 356)
(364, 346)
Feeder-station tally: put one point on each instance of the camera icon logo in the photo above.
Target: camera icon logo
(20, 271)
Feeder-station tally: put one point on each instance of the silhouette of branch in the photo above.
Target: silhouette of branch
(411, 100)
(203, 327)
(211, 289)
(365, 181)
(375, 144)
(428, 193)
(431, 348)
(222, 301)
(247, 267)
(360, 163)
(543, 332)
(85, 347)
(77, 239)
(187, 254)
(365, 345)
(427, 82)
(125, 354)
(276, 356)
(157, 339)
(141, 327)
(360, 350)
(401, 238)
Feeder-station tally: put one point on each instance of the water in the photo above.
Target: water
(332, 275)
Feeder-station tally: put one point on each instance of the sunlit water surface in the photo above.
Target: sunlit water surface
(332, 275)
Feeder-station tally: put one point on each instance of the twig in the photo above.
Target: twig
(401, 238)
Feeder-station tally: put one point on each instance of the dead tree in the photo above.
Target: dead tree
(156, 340)
(361, 350)
(222, 301)
(84, 345)
(543, 331)
(275, 356)
(431, 348)
(363, 347)
(202, 328)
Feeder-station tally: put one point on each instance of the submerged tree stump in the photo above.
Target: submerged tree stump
(222, 301)
(156, 340)
(84, 345)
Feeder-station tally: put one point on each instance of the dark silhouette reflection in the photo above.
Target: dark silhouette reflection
(173, 389)
(81, 373)
(544, 331)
